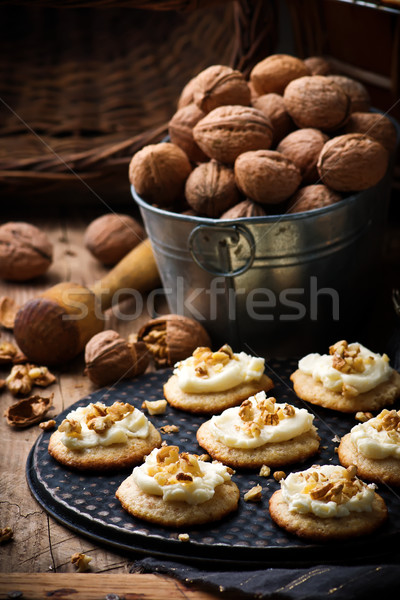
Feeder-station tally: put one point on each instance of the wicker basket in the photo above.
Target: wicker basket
(82, 89)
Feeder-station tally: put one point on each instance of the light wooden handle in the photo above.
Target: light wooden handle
(137, 270)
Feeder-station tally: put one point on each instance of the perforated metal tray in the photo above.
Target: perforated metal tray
(86, 503)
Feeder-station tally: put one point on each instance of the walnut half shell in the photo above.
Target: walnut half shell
(28, 411)
(172, 338)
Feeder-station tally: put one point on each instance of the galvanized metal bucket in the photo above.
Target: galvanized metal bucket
(288, 283)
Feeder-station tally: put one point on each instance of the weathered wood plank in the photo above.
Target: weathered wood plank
(93, 586)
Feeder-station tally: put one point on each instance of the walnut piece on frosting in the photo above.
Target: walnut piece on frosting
(205, 359)
(339, 488)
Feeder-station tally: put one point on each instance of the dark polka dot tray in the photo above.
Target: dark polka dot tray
(86, 503)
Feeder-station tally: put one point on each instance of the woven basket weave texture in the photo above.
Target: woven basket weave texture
(82, 89)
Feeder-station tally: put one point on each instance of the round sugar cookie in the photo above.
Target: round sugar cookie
(314, 392)
(105, 458)
(276, 454)
(311, 527)
(378, 470)
(178, 513)
(213, 403)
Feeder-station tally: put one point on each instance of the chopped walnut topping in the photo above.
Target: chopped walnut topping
(246, 412)
(100, 424)
(265, 471)
(169, 429)
(352, 471)
(205, 457)
(253, 495)
(321, 490)
(205, 359)
(388, 420)
(347, 359)
(363, 417)
(47, 425)
(183, 537)
(81, 561)
(155, 407)
(271, 419)
(288, 410)
(6, 534)
(168, 455)
(119, 410)
(201, 369)
(70, 426)
(173, 467)
(339, 488)
(279, 475)
(184, 477)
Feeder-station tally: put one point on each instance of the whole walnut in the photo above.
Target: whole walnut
(359, 97)
(158, 173)
(25, 251)
(274, 73)
(180, 130)
(110, 237)
(303, 147)
(227, 131)
(110, 358)
(186, 96)
(352, 162)
(374, 125)
(211, 189)
(316, 102)
(266, 176)
(273, 107)
(246, 208)
(311, 197)
(171, 338)
(318, 65)
(219, 85)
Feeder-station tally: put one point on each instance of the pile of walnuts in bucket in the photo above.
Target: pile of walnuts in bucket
(293, 138)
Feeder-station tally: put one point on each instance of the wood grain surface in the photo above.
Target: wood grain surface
(40, 544)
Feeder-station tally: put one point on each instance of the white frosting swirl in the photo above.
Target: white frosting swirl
(242, 368)
(133, 425)
(375, 444)
(231, 430)
(376, 371)
(201, 489)
(296, 492)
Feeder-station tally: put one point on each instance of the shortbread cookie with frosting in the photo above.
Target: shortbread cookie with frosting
(179, 490)
(260, 432)
(208, 382)
(374, 448)
(350, 378)
(326, 503)
(102, 438)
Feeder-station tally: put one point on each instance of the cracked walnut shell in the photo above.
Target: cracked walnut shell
(228, 131)
(110, 237)
(172, 338)
(25, 251)
(158, 173)
(28, 411)
(211, 189)
(220, 85)
(266, 176)
(110, 358)
(352, 162)
(275, 72)
(317, 102)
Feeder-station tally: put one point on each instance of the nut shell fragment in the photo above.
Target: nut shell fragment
(28, 411)
(172, 338)
(8, 311)
(352, 162)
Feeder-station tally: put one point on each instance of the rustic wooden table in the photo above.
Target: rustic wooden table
(37, 561)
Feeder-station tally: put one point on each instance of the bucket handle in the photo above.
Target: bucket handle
(234, 231)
